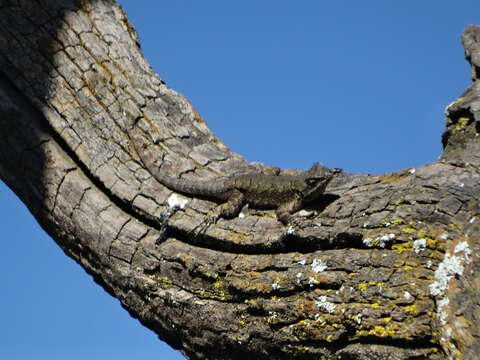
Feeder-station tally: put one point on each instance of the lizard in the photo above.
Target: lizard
(284, 193)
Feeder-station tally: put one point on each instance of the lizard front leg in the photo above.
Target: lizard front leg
(284, 211)
(229, 209)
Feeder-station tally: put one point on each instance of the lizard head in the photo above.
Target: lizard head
(316, 180)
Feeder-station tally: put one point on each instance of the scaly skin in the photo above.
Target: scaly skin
(285, 193)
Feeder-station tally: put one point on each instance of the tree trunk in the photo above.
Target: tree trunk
(386, 269)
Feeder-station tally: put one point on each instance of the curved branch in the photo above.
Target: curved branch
(385, 269)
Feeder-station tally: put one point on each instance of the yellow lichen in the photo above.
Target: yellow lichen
(164, 282)
(382, 331)
(462, 123)
(217, 287)
(304, 323)
(431, 243)
(412, 309)
(421, 233)
(402, 247)
(375, 305)
(396, 222)
(409, 230)
(362, 286)
(302, 348)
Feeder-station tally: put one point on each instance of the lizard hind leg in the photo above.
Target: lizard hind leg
(285, 211)
(228, 210)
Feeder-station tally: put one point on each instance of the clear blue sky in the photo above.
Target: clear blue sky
(356, 85)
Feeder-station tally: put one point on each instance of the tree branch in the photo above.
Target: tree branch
(386, 269)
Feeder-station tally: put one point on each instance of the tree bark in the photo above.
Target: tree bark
(387, 269)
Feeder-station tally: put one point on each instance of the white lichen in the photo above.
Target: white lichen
(451, 265)
(441, 310)
(324, 304)
(419, 245)
(273, 314)
(380, 241)
(447, 269)
(368, 242)
(463, 247)
(299, 278)
(177, 201)
(302, 262)
(318, 265)
(444, 237)
(290, 230)
(407, 296)
(275, 286)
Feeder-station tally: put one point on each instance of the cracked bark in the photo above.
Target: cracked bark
(385, 271)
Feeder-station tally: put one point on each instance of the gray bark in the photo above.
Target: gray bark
(388, 269)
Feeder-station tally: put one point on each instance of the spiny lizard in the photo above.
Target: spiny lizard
(285, 193)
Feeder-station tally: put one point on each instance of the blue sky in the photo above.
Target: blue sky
(356, 85)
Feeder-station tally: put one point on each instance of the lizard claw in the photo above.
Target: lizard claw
(300, 223)
(296, 223)
(164, 218)
(201, 228)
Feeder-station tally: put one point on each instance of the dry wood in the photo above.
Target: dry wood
(388, 270)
